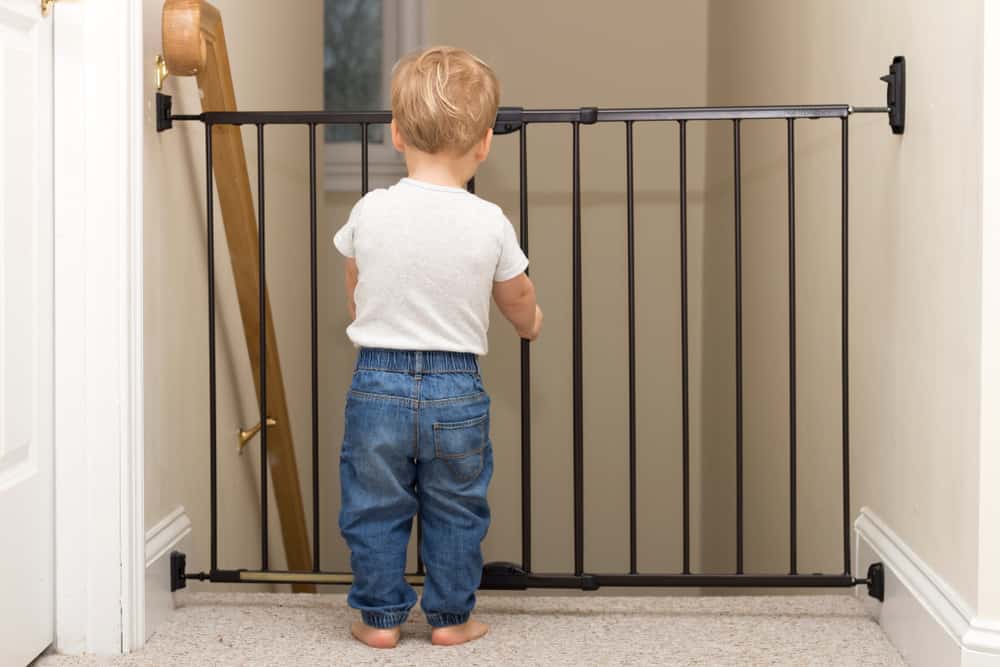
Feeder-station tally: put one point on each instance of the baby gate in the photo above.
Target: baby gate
(512, 120)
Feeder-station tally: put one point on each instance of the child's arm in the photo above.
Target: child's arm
(350, 282)
(516, 300)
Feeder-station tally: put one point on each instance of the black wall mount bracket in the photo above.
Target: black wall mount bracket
(895, 94)
(876, 581)
(164, 115)
(178, 561)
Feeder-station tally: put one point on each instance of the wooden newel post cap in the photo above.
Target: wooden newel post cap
(184, 48)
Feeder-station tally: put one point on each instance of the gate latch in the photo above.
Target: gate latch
(508, 120)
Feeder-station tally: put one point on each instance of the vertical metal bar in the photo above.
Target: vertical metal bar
(420, 541)
(210, 228)
(471, 187)
(845, 403)
(420, 526)
(737, 206)
(577, 363)
(314, 340)
(525, 377)
(364, 190)
(364, 159)
(685, 412)
(630, 205)
(792, 390)
(262, 318)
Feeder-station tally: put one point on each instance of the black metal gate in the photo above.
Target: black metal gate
(511, 120)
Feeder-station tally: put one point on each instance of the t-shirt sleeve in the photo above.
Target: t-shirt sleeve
(344, 238)
(512, 261)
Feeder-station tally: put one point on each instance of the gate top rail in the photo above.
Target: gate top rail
(517, 115)
(511, 119)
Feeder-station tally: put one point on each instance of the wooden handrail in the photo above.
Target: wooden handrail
(194, 44)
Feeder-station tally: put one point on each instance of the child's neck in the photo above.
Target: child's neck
(446, 170)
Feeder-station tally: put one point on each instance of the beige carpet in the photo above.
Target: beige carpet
(286, 629)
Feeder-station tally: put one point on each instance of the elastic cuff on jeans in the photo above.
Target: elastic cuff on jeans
(384, 620)
(444, 620)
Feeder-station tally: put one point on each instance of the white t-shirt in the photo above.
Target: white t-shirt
(427, 258)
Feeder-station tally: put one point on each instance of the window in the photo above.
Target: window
(362, 41)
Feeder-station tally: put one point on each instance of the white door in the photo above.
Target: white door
(27, 521)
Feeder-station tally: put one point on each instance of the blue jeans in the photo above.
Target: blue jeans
(416, 439)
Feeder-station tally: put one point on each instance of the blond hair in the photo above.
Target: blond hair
(444, 99)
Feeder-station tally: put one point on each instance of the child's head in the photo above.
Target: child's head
(444, 101)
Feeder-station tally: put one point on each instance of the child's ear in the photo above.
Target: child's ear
(397, 138)
(483, 149)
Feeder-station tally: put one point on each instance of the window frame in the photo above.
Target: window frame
(403, 29)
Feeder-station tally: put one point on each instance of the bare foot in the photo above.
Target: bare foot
(450, 635)
(375, 637)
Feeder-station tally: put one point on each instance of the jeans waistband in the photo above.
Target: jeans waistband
(416, 361)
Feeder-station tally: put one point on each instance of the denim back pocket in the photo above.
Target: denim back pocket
(461, 445)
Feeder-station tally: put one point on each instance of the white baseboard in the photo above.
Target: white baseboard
(172, 532)
(925, 618)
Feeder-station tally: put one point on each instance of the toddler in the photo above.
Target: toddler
(423, 258)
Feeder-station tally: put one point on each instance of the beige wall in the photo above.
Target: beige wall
(277, 63)
(915, 267)
(988, 603)
(570, 54)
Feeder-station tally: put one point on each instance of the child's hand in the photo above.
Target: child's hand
(536, 327)
(516, 300)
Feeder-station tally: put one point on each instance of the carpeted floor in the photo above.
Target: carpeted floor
(286, 629)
